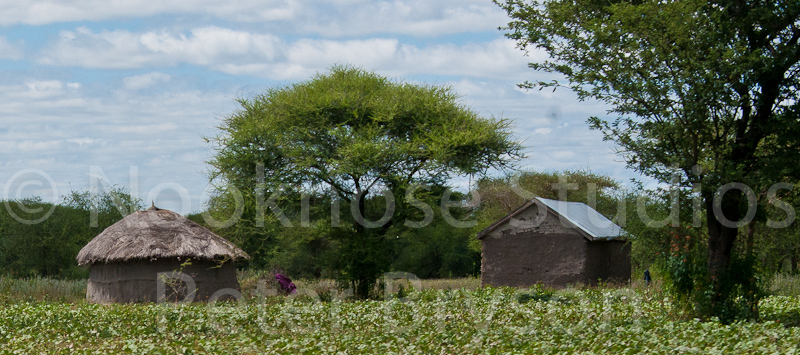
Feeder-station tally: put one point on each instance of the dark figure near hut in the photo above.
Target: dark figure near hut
(286, 283)
(647, 278)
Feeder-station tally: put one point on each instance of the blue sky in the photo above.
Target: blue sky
(94, 90)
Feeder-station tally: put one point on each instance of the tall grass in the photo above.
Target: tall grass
(467, 283)
(74, 291)
(249, 280)
(42, 289)
(785, 285)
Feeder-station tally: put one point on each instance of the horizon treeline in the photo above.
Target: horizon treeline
(42, 239)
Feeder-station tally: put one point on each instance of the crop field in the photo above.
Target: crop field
(434, 321)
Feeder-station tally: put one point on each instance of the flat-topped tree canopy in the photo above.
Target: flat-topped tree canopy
(157, 234)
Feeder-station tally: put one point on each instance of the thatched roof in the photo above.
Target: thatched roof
(155, 234)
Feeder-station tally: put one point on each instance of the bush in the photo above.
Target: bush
(781, 309)
(41, 239)
(536, 293)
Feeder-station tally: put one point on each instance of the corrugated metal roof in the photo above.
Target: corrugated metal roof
(584, 217)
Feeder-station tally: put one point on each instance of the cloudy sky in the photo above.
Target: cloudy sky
(122, 92)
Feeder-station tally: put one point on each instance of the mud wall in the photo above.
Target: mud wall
(609, 261)
(531, 249)
(541, 248)
(137, 281)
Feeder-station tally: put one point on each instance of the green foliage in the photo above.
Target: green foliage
(440, 249)
(536, 293)
(784, 285)
(348, 128)
(781, 309)
(437, 251)
(708, 89)
(777, 249)
(45, 248)
(41, 289)
(686, 276)
(345, 137)
(500, 196)
(678, 251)
(107, 207)
(40, 239)
(486, 320)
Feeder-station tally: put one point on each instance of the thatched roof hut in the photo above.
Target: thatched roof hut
(126, 258)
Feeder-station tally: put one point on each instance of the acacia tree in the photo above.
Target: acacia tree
(705, 88)
(357, 134)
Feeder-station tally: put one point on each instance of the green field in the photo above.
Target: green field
(436, 321)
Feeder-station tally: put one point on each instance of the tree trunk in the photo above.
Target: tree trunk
(360, 219)
(721, 240)
(751, 231)
(365, 245)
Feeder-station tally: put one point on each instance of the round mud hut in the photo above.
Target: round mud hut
(147, 256)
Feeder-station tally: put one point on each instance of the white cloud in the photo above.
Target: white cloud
(305, 57)
(66, 131)
(64, 120)
(466, 87)
(35, 89)
(33, 146)
(124, 49)
(330, 18)
(45, 85)
(209, 45)
(147, 129)
(315, 53)
(563, 154)
(422, 18)
(10, 50)
(82, 141)
(266, 55)
(496, 59)
(44, 12)
(145, 80)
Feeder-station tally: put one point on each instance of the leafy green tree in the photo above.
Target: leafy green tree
(104, 207)
(706, 92)
(439, 250)
(37, 238)
(778, 249)
(500, 195)
(353, 135)
(42, 239)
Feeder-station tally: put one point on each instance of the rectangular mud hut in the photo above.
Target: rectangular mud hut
(554, 243)
(137, 260)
